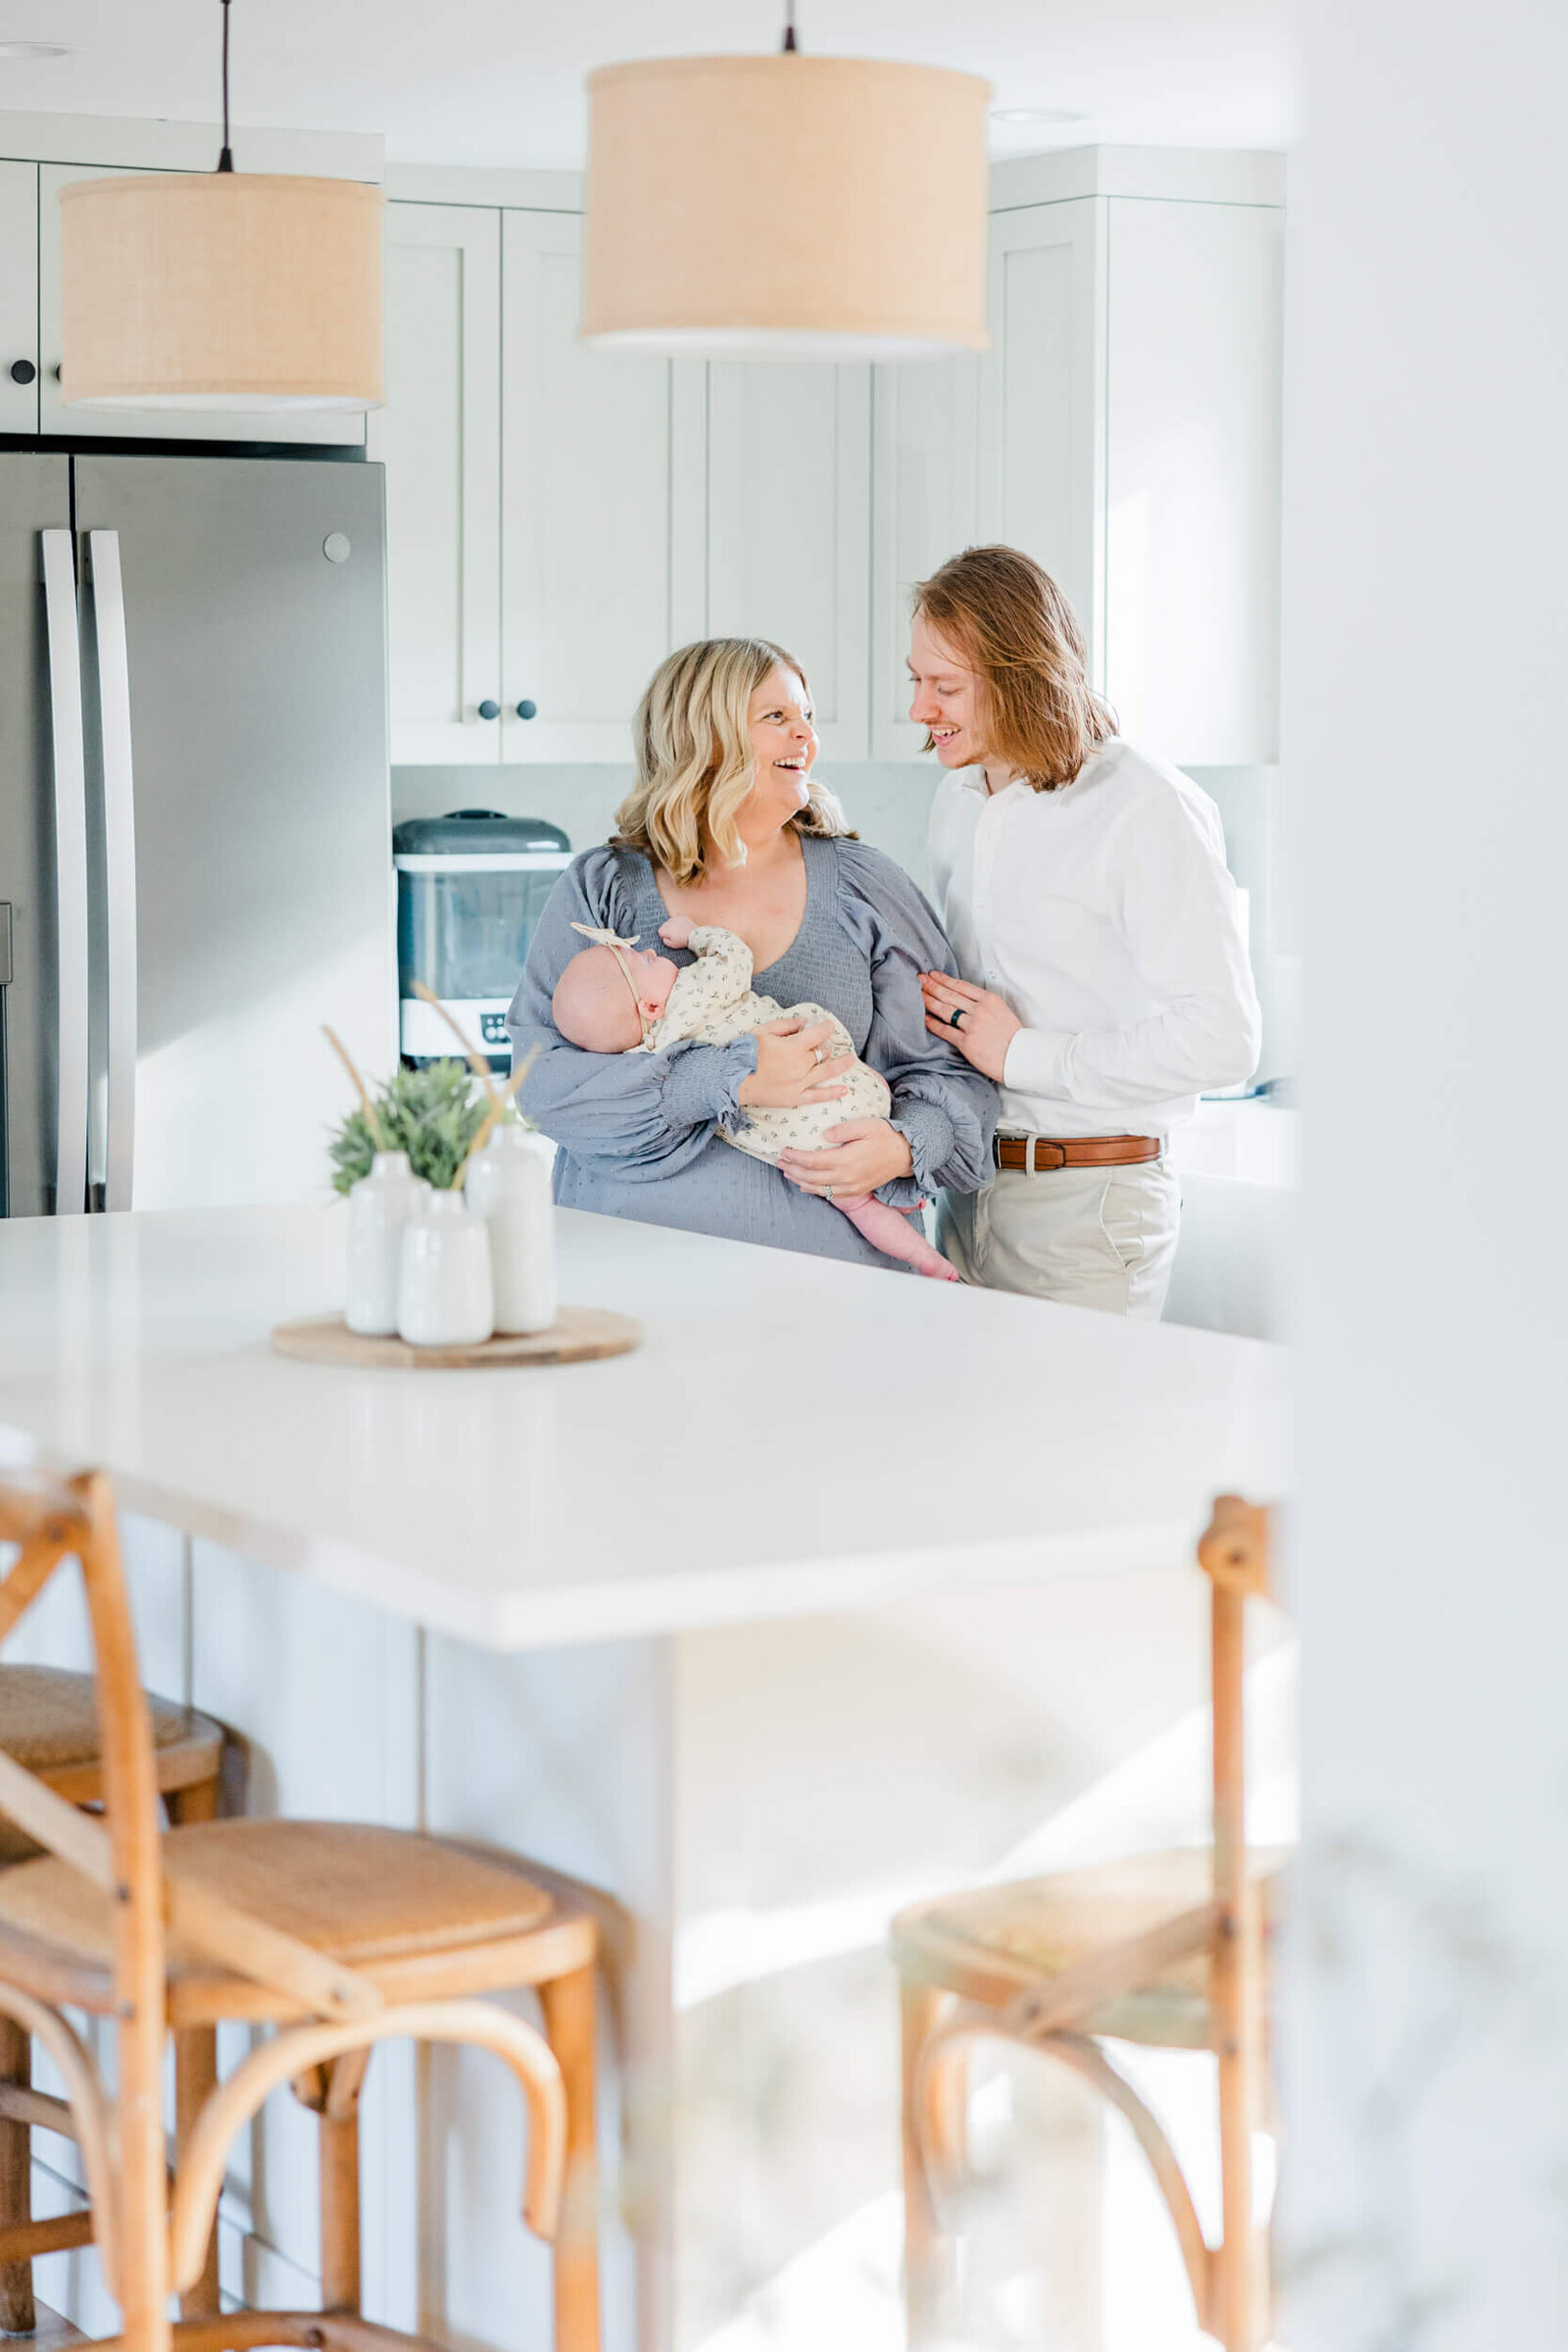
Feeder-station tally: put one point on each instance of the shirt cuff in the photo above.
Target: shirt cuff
(1036, 1063)
(928, 1131)
(704, 1082)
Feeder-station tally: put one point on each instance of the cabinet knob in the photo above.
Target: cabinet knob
(489, 709)
(23, 371)
(528, 710)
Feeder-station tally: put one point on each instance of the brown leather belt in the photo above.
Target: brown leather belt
(1034, 1154)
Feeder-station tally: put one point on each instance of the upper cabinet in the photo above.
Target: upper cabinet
(147, 424)
(1192, 495)
(588, 586)
(18, 298)
(926, 452)
(440, 437)
(788, 508)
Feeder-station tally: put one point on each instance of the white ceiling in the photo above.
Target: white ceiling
(499, 82)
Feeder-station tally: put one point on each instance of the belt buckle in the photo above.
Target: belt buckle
(1039, 1144)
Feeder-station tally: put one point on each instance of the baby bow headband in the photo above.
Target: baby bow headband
(618, 946)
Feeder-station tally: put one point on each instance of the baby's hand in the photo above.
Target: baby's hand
(677, 932)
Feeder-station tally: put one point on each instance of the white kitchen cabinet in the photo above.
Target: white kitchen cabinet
(1042, 469)
(146, 424)
(1193, 477)
(789, 528)
(1131, 443)
(591, 444)
(19, 296)
(925, 505)
(440, 438)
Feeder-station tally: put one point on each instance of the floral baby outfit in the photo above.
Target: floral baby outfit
(712, 1002)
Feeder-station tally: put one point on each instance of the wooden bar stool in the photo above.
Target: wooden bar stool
(1164, 1949)
(339, 1935)
(49, 1723)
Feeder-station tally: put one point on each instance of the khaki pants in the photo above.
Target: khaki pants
(1083, 1237)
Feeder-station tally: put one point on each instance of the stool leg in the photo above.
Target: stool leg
(926, 2258)
(340, 2211)
(568, 2011)
(17, 2313)
(196, 2067)
(339, 2145)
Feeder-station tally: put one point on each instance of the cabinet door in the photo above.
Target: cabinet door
(925, 494)
(19, 296)
(585, 528)
(440, 437)
(146, 424)
(1193, 489)
(1043, 440)
(789, 528)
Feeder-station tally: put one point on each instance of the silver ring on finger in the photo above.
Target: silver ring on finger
(829, 1194)
(818, 1054)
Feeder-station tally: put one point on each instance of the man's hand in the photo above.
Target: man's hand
(986, 1026)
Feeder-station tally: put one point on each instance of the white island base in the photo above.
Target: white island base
(762, 1630)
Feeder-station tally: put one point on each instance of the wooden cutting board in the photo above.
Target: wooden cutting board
(578, 1334)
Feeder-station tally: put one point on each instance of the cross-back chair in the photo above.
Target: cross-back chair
(339, 1935)
(1164, 1949)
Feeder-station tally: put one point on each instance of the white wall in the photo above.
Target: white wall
(1425, 724)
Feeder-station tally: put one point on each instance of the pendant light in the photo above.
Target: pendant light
(786, 208)
(245, 291)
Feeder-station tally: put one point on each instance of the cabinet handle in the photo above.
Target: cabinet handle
(489, 709)
(528, 710)
(23, 371)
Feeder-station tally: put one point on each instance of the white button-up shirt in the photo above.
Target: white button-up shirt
(1105, 916)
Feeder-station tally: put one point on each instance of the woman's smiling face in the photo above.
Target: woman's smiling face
(778, 717)
(948, 697)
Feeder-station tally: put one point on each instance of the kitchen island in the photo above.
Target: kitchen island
(746, 1629)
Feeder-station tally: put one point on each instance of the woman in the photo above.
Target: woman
(1106, 982)
(726, 823)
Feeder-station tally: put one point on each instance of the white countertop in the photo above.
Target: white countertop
(795, 1435)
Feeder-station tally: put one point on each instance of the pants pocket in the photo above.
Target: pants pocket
(1124, 1221)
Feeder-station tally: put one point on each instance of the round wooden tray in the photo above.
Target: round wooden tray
(578, 1334)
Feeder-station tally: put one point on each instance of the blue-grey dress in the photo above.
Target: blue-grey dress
(640, 1132)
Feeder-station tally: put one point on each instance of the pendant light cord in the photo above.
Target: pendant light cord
(789, 26)
(226, 160)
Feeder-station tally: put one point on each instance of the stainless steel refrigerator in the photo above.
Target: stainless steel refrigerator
(195, 862)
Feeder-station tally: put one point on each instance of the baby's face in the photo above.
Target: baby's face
(653, 974)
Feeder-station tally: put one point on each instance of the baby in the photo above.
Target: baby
(612, 999)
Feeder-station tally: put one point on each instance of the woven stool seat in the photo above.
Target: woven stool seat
(49, 1723)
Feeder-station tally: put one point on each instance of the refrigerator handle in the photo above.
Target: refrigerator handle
(120, 858)
(70, 873)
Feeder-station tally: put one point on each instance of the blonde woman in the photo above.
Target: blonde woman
(1106, 978)
(726, 823)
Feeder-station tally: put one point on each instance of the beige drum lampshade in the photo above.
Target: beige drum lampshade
(786, 206)
(221, 290)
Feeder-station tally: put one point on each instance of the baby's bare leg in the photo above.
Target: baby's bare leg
(895, 1233)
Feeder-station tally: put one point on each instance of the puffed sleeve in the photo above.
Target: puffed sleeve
(650, 1115)
(945, 1109)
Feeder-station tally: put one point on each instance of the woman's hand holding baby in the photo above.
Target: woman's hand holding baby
(793, 1065)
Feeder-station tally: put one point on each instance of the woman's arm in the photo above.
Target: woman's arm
(646, 1114)
(944, 1111)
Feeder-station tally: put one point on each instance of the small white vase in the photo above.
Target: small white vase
(444, 1296)
(380, 1205)
(509, 1186)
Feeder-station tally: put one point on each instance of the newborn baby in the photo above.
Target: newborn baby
(612, 999)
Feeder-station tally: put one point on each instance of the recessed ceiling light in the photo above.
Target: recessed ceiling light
(1039, 114)
(33, 49)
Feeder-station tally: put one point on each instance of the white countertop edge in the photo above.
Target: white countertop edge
(641, 1606)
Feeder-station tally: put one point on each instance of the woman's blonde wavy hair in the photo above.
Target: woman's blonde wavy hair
(1005, 617)
(692, 744)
